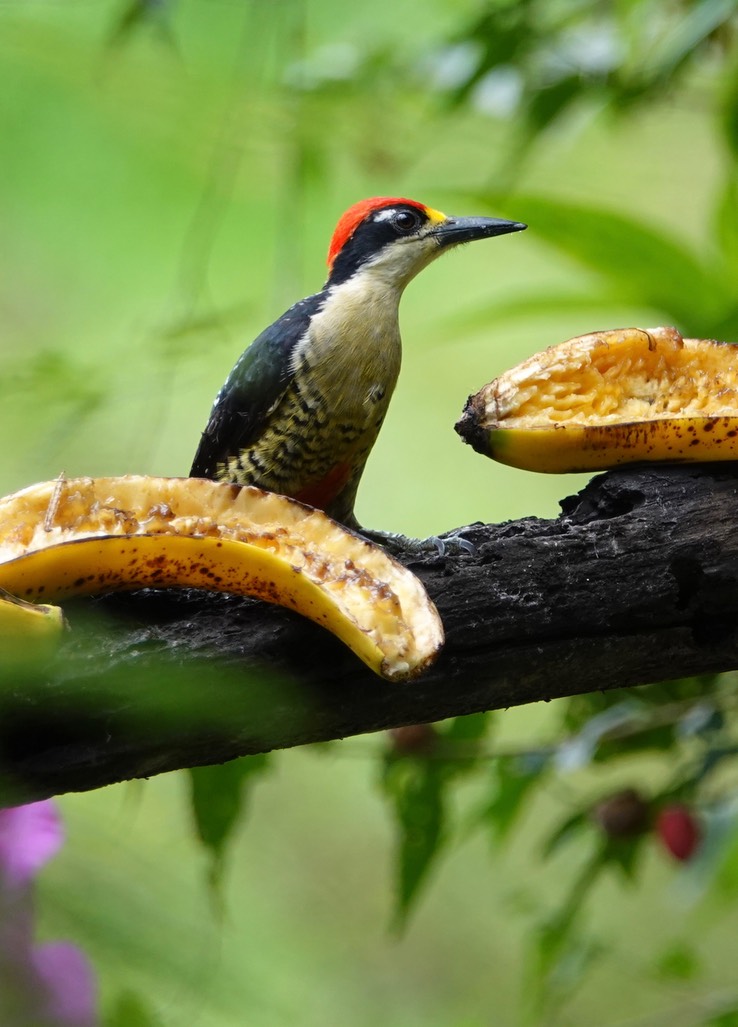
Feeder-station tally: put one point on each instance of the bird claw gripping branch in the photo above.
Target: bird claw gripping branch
(452, 543)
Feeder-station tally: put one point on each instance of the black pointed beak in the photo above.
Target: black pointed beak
(458, 230)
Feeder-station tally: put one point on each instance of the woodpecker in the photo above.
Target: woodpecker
(302, 408)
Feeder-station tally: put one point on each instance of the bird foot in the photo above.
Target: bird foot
(451, 544)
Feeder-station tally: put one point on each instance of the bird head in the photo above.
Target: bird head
(394, 238)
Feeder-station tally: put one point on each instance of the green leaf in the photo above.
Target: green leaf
(218, 796)
(416, 791)
(647, 266)
(693, 26)
(471, 728)
(623, 853)
(460, 744)
(645, 739)
(561, 954)
(416, 785)
(139, 14)
(713, 758)
(129, 1010)
(514, 779)
(679, 962)
(497, 38)
(721, 843)
(548, 102)
(729, 109)
(727, 1018)
(565, 831)
(726, 223)
(562, 960)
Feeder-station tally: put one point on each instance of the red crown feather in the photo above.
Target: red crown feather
(352, 218)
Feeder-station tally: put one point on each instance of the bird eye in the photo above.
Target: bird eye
(405, 221)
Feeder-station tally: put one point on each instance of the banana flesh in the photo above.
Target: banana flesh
(609, 398)
(81, 536)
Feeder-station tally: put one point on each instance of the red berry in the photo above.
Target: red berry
(679, 830)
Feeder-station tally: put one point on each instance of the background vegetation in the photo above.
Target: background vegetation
(169, 177)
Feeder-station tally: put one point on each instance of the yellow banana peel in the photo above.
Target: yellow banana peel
(81, 536)
(610, 398)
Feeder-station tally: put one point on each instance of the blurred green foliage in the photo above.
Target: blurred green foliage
(218, 802)
(169, 177)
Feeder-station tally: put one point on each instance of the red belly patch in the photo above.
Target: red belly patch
(322, 493)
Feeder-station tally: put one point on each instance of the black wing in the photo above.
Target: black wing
(252, 389)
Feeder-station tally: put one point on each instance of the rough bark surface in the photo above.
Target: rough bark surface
(636, 581)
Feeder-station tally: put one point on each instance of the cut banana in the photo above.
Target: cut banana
(84, 535)
(610, 398)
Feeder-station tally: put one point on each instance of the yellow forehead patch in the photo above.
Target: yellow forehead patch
(435, 216)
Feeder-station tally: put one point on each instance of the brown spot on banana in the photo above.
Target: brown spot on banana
(85, 536)
(624, 396)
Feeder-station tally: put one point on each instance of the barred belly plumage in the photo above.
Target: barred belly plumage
(305, 442)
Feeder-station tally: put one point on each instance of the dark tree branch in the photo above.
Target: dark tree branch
(636, 581)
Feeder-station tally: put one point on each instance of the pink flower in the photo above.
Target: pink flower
(49, 985)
